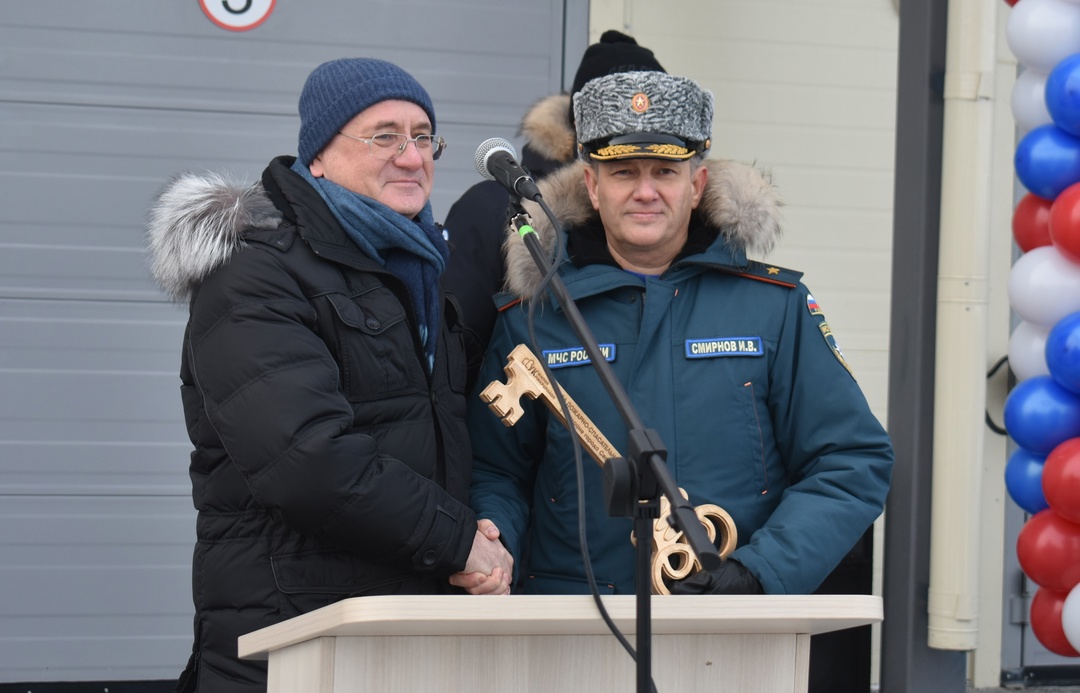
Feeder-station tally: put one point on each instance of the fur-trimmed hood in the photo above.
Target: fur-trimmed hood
(196, 224)
(549, 134)
(739, 200)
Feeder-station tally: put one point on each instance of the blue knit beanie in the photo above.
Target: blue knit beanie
(337, 90)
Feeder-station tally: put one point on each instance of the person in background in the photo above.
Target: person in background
(729, 359)
(476, 223)
(322, 373)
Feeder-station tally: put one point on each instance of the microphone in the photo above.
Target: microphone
(496, 160)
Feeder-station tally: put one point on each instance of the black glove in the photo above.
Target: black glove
(730, 578)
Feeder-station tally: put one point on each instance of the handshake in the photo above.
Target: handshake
(490, 568)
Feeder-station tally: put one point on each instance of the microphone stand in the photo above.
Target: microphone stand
(633, 484)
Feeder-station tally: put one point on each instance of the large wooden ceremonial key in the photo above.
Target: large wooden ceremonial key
(673, 558)
(525, 376)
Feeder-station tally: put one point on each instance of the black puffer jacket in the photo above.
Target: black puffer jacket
(327, 462)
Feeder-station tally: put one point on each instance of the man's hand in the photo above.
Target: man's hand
(730, 578)
(490, 567)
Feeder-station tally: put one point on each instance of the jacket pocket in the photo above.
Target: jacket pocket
(756, 430)
(313, 579)
(376, 353)
(549, 583)
(463, 350)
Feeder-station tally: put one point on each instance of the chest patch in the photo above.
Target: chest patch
(575, 356)
(716, 347)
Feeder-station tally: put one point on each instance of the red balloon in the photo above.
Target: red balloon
(1046, 608)
(1061, 480)
(1031, 222)
(1011, 3)
(1048, 549)
(1065, 222)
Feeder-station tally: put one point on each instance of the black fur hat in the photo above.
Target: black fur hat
(614, 52)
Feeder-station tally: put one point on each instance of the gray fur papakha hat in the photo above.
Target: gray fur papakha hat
(634, 115)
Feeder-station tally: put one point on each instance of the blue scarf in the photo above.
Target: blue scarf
(413, 250)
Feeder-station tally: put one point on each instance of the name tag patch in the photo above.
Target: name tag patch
(575, 356)
(723, 346)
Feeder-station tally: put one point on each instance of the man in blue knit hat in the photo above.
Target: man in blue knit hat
(322, 373)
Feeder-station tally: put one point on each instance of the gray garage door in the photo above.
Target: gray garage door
(100, 103)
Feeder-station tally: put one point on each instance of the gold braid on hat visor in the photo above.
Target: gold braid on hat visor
(609, 151)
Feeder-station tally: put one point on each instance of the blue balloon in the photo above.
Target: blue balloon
(1063, 352)
(1047, 160)
(1063, 94)
(1023, 480)
(1040, 414)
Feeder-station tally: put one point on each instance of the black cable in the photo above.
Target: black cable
(520, 220)
(1000, 430)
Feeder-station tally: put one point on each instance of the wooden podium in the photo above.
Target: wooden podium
(543, 643)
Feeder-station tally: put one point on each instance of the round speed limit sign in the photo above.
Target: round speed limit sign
(237, 15)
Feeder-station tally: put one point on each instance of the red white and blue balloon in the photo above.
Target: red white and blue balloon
(1042, 413)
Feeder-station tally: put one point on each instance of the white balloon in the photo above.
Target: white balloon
(1029, 100)
(1027, 351)
(1044, 286)
(1042, 32)
(1070, 612)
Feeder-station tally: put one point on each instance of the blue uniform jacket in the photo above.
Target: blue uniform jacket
(730, 361)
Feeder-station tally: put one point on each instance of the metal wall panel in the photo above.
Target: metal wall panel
(94, 587)
(90, 399)
(101, 103)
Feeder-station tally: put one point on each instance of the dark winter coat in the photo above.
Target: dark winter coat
(327, 462)
(729, 360)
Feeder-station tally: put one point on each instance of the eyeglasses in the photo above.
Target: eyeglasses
(390, 145)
